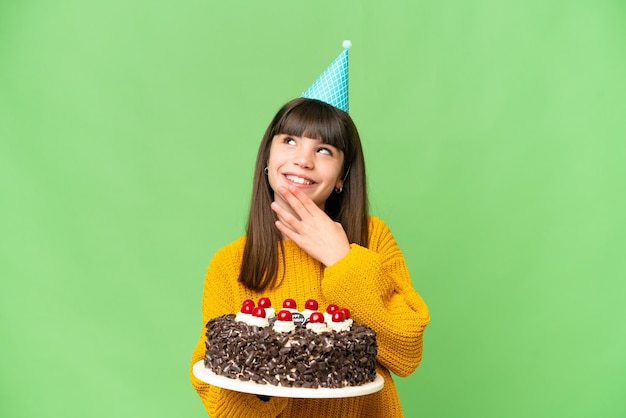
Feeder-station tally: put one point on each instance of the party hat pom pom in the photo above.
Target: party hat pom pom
(347, 44)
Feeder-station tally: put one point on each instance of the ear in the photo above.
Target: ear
(341, 180)
(338, 186)
(339, 183)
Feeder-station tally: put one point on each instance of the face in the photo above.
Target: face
(309, 164)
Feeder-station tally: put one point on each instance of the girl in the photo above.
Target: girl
(309, 236)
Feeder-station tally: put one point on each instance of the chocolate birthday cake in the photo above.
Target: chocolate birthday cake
(306, 349)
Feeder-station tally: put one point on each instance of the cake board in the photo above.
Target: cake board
(207, 376)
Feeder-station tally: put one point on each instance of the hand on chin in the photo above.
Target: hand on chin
(302, 221)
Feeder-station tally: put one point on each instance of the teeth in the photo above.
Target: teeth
(298, 180)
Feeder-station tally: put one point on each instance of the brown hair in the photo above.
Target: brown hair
(317, 120)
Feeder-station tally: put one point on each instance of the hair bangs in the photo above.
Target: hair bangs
(314, 119)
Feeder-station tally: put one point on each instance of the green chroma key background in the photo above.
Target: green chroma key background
(494, 139)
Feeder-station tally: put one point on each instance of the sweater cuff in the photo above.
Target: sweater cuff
(360, 269)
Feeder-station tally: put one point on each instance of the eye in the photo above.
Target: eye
(325, 150)
(289, 140)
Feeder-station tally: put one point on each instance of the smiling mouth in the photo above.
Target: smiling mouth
(298, 180)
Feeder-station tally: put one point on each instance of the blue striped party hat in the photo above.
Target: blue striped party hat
(332, 86)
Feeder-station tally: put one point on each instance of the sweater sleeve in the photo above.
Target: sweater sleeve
(217, 300)
(374, 284)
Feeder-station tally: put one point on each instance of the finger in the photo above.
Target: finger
(299, 201)
(306, 201)
(287, 231)
(285, 216)
(292, 200)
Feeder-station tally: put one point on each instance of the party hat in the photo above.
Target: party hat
(332, 86)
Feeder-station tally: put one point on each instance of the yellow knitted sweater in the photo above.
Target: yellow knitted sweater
(372, 282)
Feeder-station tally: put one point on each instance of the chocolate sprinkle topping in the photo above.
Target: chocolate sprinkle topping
(300, 358)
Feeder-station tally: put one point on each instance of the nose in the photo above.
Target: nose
(303, 158)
